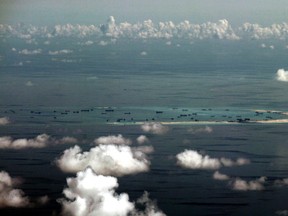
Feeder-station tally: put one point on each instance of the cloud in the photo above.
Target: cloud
(282, 212)
(193, 160)
(10, 197)
(30, 52)
(239, 162)
(116, 160)
(242, 185)
(4, 121)
(143, 53)
(59, 52)
(103, 43)
(92, 78)
(141, 30)
(282, 75)
(142, 139)
(168, 43)
(221, 30)
(92, 194)
(66, 140)
(88, 43)
(144, 149)
(206, 129)
(29, 84)
(150, 207)
(219, 176)
(41, 141)
(154, 128)
(282, 182)
(117, 140)
(256, 31)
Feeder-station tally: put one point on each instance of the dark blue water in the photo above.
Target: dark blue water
(215, 79)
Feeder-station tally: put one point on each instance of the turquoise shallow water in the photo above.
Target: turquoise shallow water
(228, 86)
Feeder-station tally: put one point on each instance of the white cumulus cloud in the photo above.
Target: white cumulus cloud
(150, 207)
(91, 194)
(242, 185)
(116, 160)
(10, 197)
(281, 182)
(282, 75)
(29, 84)
(40, 141)
(4, 121)
(219, 176)
(148, 29)
(194, 160)
(154, 128)
(142, 139)
(59, 52)
(239, 162)
(117, 140)
(143, 30)
(30, 52)
(103, 43)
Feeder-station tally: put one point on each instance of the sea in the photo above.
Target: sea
(218, 97)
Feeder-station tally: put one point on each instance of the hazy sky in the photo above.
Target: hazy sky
(54, 12)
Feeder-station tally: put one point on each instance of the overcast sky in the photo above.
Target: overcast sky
(51, 12)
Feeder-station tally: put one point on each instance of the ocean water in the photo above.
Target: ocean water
(188, 86)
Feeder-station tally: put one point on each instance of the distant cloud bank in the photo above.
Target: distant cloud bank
(145, 30)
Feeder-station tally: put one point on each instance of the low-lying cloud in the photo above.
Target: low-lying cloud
(206, 129)
(242, 185)
(59, 52)
(220, 177)
(154, 128)
(115, 160)
(282, 212)
(40, 141)
(281, 182)
(142, 139)
(193, 160)
(91, 194)
(4, 121)
(30, 52)
(116, 140)
(16, 198)
(282, 75)
(10, 197)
